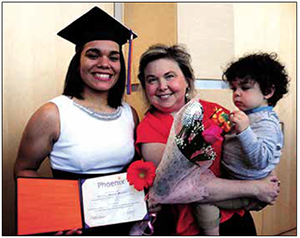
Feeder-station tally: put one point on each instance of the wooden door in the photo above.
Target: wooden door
(154, 23)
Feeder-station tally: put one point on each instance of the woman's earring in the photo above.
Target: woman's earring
(187, 96)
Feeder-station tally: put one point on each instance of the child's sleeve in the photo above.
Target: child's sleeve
(262, 143)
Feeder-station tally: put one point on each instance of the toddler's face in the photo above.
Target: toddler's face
(246, 94)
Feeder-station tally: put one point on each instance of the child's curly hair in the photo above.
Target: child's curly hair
(264, 69)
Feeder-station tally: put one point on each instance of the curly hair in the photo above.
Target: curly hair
(178, 53)
(263, 68)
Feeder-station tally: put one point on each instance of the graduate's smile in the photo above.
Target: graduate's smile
(100, 64)
(102, 76)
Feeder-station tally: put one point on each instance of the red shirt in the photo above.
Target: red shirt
(155, 128)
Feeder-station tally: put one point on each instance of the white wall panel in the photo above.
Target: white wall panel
(207, 29)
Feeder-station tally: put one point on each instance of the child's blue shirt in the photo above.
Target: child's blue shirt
(256, 151)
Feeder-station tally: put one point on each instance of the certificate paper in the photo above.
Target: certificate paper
(110, 200)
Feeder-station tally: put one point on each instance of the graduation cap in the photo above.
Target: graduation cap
(96, 24)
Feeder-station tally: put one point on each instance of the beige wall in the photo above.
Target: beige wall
(35, 61)
(207, 30)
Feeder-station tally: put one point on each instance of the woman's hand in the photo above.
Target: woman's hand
(268, 188)
(69, 233)
(155, 208)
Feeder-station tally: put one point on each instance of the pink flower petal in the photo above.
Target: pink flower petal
(212, 134)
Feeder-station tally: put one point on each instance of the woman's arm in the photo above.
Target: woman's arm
(152, 152)
(204, 187)
(219, 189)
(135, 117)
(40, 133)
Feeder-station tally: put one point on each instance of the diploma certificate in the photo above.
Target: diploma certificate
(110, 200)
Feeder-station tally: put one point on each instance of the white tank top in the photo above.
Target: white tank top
(89, 145)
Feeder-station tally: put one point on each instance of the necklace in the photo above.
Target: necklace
(99, 115)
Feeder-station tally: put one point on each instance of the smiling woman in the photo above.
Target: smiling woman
(77, 130)
(99, 68)
(164, 87)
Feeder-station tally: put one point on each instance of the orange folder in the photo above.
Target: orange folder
(47, 205)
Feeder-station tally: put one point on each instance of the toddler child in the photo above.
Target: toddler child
(252, 149)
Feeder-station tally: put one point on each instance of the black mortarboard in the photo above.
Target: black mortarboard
(96, 24)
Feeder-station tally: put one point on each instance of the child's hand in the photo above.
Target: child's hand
(240, 119)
